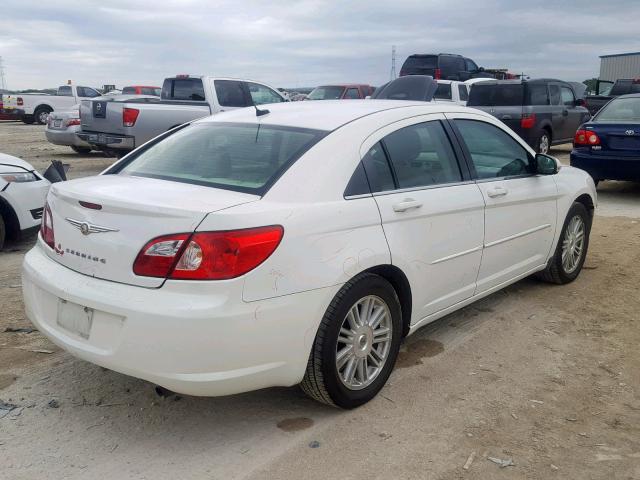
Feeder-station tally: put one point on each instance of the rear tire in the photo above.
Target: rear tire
(354, 352)
(566, 264)
(28, 119)
(3, 232)
(81, 150)
(543, 145)
(41, 115)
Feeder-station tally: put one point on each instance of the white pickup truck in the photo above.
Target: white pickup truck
(34, 107)
(117, 126)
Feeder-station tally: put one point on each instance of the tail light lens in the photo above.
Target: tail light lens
(20, 101)
(208, 255)
(438, 74)
(586, 138)
(72, 121)
(528, 120)
(46, 227)
(129, 116)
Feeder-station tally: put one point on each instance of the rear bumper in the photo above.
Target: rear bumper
(66, 137)
(607, 167)
(108, 140)
(196, 338)
(12, 112)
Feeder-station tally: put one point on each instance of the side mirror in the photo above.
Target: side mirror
(546, 165)
(481, 69)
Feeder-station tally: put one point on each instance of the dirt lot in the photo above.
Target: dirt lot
(544, 375)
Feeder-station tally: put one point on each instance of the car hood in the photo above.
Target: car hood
(10, 160)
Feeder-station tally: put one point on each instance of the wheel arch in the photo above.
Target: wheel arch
(41, 106)
(588, 203)
(400, 284)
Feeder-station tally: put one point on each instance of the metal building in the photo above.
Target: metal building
(621, 65)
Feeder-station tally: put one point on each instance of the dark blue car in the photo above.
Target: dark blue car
(608, 146)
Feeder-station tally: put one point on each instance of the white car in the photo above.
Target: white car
(451, 91)
(22, 195)
(298, 243)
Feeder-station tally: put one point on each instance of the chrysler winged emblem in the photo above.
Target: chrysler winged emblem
(630, 132)
(88, 228)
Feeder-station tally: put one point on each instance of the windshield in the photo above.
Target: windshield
(623, 110)
(326, 93)
(495, 95)
(241, 157)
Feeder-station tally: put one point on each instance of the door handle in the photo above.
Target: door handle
(506, 117)
(565, 113)
(497, 192)
(406, 204)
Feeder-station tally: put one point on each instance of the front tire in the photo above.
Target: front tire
(28, 119)
(357, 344)
(571, 252)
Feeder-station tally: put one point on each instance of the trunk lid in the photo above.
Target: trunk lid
(623, 139)
(133, 211)
(104, 114)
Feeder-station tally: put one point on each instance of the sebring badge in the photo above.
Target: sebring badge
(630, 132)
(87, 228)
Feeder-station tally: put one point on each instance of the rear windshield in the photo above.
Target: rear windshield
(183, 89)
(240, 157)
(418, 64)
(623, 110)
(326, 93)
(495, 95)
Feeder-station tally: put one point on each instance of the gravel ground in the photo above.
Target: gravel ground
(544, 375)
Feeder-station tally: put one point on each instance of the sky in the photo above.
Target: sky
(301, 43)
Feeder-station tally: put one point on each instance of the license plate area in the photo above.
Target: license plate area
(75, 318)
(57, 123)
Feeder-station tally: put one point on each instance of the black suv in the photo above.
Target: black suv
(443, 66)
(543, 112)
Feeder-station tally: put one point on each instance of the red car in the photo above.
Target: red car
(340, 92)
(141, 90)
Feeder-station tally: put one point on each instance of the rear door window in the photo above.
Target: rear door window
(421, 155)
(183, 89)
(231, 93)
(463, 92)
(554, 94)
(443, 92)
(498, 95)
(494, 153)
(377, 168)
(241, 157)
(537, 94)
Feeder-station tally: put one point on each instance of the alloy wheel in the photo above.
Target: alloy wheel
(573, 244)
(364, 342)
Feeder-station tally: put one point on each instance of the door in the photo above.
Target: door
(520, 213)
(432, 214)
(261, 94)
(574, 113)
(558, 118)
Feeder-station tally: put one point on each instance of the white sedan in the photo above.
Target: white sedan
(22, 195)
(298, 244)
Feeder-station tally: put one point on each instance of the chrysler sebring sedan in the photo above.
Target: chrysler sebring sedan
(298, 245)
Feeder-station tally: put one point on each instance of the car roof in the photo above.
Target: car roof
(346, 85)
(326, 115)
(628, 95)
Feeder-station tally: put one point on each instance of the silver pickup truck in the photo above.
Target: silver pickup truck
(117, 127)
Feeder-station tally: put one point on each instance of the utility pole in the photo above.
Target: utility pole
(3, 85)
(393, 63)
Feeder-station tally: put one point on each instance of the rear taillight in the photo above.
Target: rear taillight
(46, 227)
(437, 74)
(72, 121)
(20, 101)
(528, 120)
(207, 255)
(586, 137)
(129, 116)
